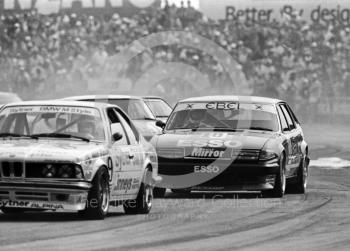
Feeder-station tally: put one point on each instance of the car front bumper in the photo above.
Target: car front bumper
(52, 195)
(235, 176)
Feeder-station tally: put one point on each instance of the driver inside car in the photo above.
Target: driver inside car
(196, 119)
(87, 128)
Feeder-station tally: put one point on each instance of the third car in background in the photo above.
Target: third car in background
(160, 108)
(135, 107)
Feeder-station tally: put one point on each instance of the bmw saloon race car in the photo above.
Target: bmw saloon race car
(220, 143)
(135, 107)
(73, 156)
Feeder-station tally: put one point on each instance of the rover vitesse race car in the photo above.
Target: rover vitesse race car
(232, 143)
(73, 155)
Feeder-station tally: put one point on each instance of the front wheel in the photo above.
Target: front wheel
(143, 202)
(279, 187)
(301, 182)
(98, 200)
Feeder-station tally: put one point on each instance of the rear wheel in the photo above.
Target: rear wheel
(280, 181)
(143, 203)
(98, 199)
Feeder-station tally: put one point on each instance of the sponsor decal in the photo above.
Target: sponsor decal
(208, 153)
(30, 204)
(53, 109)
(123, 184)
(206, 169)
(215, 143)
(222, 105)
(318, 11)
(135, 183)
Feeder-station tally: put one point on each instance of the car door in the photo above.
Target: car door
(134, 169)
(291, 132)
(120, 158)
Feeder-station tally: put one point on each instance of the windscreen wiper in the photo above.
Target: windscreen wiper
(60, 135)
(148, 118)
(259, 128)
(226, 129)
(7, 134)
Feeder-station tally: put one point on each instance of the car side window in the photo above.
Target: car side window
(288, 117)
(296, 121)
(116, 126)
(129, 131)
(283, 120)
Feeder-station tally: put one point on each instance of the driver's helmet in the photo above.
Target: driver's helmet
(197, 115)
(86, 124)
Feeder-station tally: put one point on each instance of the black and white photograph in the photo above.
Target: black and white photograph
(174, 125)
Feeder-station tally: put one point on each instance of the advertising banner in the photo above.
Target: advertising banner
(270, 10)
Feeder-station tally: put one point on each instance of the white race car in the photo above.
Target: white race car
(73, 155)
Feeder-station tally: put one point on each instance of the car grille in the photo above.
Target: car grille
(17, 169)
(12, 169)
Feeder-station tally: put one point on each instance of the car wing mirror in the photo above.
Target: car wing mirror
(160, 124)
(117, 136)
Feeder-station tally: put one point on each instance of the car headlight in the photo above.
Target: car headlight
(171, 153)
(49, 171)
(245, 155)
(267, 155)
(66, 171)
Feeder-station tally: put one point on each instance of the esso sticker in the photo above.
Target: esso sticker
(206, 169)
(222, 105)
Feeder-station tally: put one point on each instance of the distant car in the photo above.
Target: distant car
(135, 107)
(160, 108)
(8, 97)
(232, 143)
(67, 155)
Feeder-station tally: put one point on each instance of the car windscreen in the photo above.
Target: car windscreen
(224, 115)
(52, 121)
(159, 107)
(135, 108)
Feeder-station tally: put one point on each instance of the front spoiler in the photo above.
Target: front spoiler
(234, 188)
(51, 195)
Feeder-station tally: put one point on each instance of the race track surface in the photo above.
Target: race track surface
(319, 220)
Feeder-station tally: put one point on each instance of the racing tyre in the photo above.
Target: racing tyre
(98, 198)
(300, 186)
(12, 210)
(280, 182)
(159, 192)
(143, 203)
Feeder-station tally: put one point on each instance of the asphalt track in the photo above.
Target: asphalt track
(319, 220)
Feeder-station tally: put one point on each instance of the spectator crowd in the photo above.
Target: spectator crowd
(45, 55)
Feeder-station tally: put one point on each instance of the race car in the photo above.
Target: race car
(160, 108)
(135, 107)
(69, 155)
(232, 143)
(8, 97)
